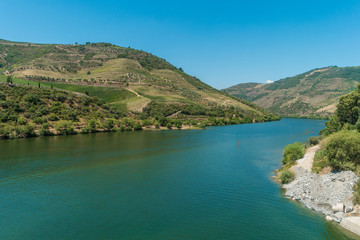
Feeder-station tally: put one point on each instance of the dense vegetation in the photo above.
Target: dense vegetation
(293, 152)
(340, 144)
(28, 111)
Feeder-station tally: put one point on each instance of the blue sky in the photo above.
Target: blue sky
(221, 42)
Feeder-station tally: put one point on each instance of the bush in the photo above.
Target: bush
(320, 161)
(287, 176)
(91, 126)
(53, 117)
(356, 198)
(109, 124)
(44, 130)
(40, 120)
(314, 140)
(28, 130)
(65, 128)
(168, 125)
(342, 149)
(293, 152)
(21, 121)
(137, 126)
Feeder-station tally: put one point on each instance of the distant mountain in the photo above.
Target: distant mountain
(125, 78)
(315, 92)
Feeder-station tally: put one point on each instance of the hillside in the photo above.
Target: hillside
(132, 83)
(315, 92)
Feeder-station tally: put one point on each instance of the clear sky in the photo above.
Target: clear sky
(221, 42)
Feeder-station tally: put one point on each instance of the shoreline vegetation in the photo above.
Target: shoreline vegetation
(31, 111)
(331, 184)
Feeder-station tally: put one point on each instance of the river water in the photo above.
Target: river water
(191, 184)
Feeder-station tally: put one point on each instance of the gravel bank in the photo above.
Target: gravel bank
(330, 194)
(321, 193)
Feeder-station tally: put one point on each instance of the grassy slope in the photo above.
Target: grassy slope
(113, 73)
(312, 93)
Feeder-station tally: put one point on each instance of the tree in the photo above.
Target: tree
(348, 108)
(39, 84)
(9, 80)
(88, 73)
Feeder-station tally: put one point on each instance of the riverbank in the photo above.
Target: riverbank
(330, 194)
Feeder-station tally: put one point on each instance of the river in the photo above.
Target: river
(186, 184)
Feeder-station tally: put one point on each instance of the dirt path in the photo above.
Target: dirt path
(174, 114)
(307, 161)
(129, 89)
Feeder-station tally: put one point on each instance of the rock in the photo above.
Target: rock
(349, 209)
(352, 224)
(321, 193)
(329, 219)
(339, 207)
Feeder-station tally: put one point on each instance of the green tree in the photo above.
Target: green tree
(9, 80)
(342, 150)
(348, 108)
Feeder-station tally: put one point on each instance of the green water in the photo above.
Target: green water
(156, 185)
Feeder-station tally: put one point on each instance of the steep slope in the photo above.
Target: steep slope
(126, 78)
(315, 92)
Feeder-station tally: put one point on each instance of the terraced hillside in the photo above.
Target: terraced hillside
(136, 83)
(314, 93)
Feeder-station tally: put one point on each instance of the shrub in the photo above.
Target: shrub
(44, 130)
(356, 198)
(314, 140)
(40, 120)
(109, 124)
(2, 96)
(32, 98)
(146, 122)
(320, 161)
(287, 176)
(21, 121)
(65, 128)
(137, 126)
(342, 149)
(293, 152)
(168, 125)
(29, 130)
(53, 117)
(91, 126)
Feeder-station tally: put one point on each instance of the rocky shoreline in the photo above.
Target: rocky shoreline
(330, 194)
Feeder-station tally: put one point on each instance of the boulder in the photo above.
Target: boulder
(339, 207)
(329, 219)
